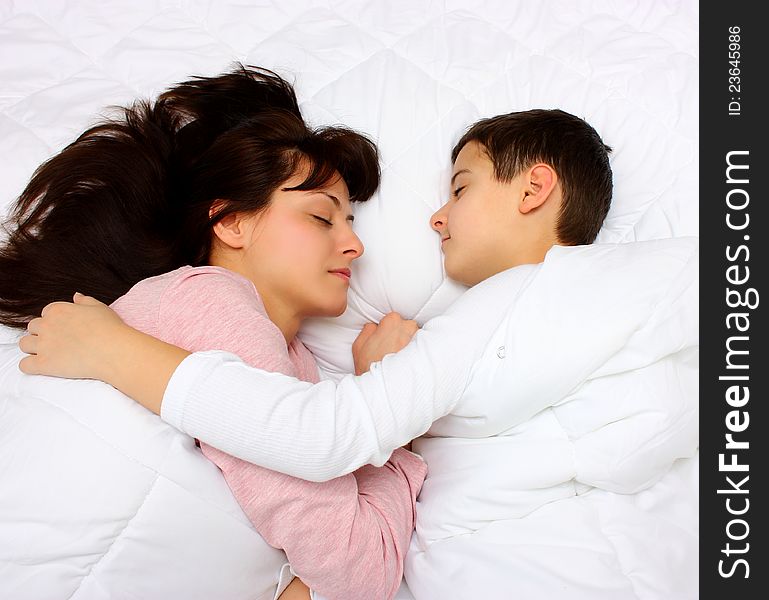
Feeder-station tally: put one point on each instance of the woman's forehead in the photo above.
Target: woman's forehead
(334, 184)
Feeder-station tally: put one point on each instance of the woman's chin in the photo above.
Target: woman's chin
(331, 310)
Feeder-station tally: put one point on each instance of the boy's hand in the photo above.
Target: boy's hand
(375, 341)
(71, 340)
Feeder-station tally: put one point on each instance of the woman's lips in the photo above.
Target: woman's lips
(342, 273)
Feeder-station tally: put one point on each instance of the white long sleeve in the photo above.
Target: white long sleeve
(324, 430)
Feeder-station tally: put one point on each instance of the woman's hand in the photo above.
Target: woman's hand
(375, 341)
(71, 340)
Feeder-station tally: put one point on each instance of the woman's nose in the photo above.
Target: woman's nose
(352, 245)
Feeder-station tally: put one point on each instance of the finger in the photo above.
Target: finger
(365, 333)
(79, 298)
(362, 334)
(368, 330)
(52, 308)
(28, 344)
(28, 365)
(33, 327)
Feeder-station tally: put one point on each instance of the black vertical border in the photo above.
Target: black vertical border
(720, 133)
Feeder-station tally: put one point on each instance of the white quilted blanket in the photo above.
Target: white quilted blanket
(564, 439)
(98, 499)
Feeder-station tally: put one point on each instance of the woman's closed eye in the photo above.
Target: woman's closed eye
(458, 190)
(323, 220)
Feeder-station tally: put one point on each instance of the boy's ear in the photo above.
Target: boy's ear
(229, 230)
(539, 181)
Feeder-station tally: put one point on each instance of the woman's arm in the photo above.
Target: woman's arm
(345, 538)
(315, 432)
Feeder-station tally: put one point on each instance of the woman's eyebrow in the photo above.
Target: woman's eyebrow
(337, 203)
(457, 174)
(334, 198)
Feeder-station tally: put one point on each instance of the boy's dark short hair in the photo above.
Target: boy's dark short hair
(518, 140)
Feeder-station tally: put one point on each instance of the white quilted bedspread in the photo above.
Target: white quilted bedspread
(98, 499)
(559, 454)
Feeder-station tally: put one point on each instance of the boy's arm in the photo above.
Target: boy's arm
(329, 429)
(87, 340)
(315, 432)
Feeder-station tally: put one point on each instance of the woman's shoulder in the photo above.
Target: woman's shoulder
(156, 285)
(208, 275)
(205, 308)
(187, 292)
(210, 283)
(139, 305)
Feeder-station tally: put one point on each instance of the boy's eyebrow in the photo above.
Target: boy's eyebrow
(457, 174)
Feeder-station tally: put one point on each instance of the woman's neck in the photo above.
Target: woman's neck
(287, 323)
(285, 320)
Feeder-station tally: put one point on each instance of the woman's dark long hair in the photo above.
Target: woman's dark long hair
(131, 197)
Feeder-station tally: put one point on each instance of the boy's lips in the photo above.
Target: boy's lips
(342, 273)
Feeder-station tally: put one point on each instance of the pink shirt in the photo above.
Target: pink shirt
(345, 538)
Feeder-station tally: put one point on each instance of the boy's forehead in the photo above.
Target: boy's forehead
(472, 157)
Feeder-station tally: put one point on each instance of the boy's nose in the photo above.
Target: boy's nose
(438, 219)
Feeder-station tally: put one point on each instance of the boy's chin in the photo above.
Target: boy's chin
(463, 280)
(459, 276)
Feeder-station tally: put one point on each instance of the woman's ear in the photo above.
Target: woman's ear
(229, 230)
(539, 181)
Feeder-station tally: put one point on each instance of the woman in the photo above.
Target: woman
(215, 218)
